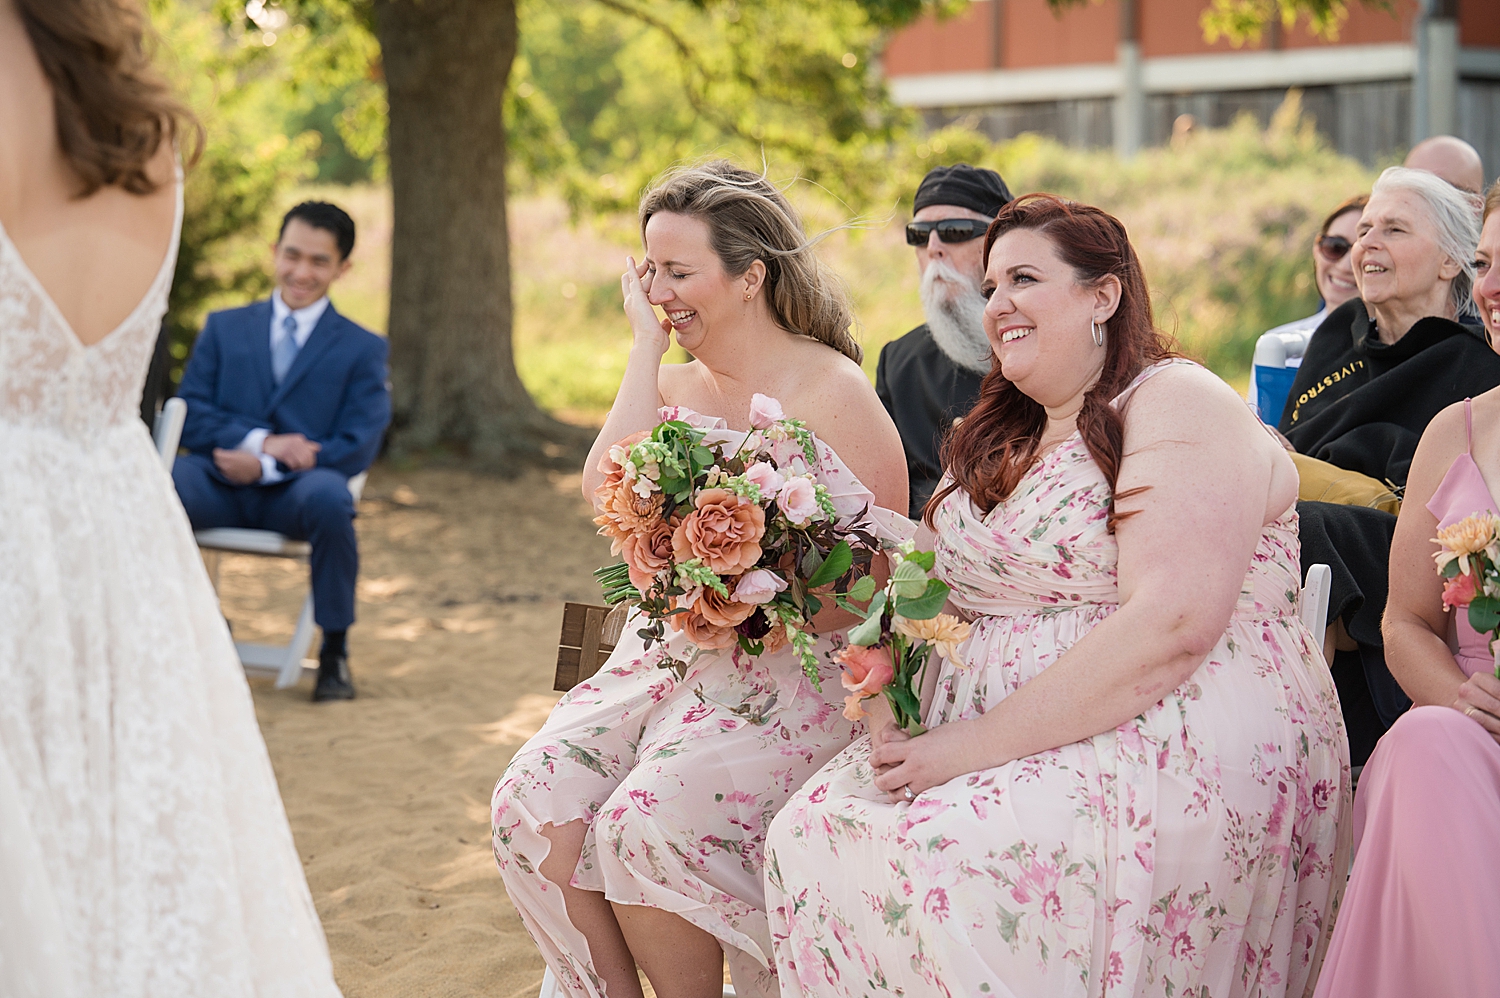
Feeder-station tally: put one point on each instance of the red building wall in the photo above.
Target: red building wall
(1032, 36)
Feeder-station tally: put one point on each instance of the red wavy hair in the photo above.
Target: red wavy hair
(987, 454)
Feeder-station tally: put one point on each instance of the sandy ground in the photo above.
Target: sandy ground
(460, 599)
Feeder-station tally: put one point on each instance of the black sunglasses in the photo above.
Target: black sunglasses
(1334, 247)
(949, 230)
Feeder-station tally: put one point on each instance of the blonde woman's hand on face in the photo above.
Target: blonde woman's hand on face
(649, 330)
(1479, 699)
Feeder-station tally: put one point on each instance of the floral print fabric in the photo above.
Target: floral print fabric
(1194, 850)
(678, 780)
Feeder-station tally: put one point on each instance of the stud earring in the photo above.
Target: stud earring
(748, 296)
(1098, 331)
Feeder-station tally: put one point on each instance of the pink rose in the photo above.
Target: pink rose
(758, 586)
(648, 552)
(764, 411)
(767, 477)
(1459, 591)
(798, 499)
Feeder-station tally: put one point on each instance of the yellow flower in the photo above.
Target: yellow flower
(1468, 536)
(944, 632)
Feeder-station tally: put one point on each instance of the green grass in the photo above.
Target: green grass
(1223, 224)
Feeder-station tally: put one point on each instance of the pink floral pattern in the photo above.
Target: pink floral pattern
(678, 780)
(1194, 850)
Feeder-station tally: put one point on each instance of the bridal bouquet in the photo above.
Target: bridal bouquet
(1469, 562)
(726, 540)
(889, 653)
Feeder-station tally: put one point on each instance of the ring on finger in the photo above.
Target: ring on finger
(907, 793)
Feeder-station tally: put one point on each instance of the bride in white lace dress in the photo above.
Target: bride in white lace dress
(144, 851)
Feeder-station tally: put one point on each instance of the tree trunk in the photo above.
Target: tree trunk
(455, 384)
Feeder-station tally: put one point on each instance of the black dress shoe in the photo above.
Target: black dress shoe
(334, 682)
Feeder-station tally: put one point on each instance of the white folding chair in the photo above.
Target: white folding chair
(1313, 604)
(285, 662)
(167, 433)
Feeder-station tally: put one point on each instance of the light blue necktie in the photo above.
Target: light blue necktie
(286, 350)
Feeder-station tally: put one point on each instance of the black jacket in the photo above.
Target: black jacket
(1362, 404)
(924, 391)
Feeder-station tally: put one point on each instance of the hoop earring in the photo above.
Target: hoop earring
(1098, 331)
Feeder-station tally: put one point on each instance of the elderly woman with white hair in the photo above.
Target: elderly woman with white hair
(1377, 371)
(1422, 911)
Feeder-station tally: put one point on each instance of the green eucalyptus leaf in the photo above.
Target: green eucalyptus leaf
(925, 606)
(863, 590)
(1484, 614)
(867, 632)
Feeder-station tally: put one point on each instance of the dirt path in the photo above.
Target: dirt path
(460, 597)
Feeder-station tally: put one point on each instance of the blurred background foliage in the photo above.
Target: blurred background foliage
(605, 94)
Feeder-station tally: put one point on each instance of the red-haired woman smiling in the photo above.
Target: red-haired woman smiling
(1134, 766)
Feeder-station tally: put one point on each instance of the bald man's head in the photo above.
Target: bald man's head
(1451, 158)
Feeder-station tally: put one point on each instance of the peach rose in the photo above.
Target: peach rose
(866, 672)
(711, 619)
(647, 553)
(718, 610)
(724, 532)
(614, 471)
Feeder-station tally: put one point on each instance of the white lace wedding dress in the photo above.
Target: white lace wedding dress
(144, 851)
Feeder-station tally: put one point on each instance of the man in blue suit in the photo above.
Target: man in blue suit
(287, 401)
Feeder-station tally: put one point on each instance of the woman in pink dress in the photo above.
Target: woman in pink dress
(1135, 765)
(1422, 911)
(629, 830)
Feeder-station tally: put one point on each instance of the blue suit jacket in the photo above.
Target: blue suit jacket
(335, 392)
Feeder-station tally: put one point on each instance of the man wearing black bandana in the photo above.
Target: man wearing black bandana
(931, 376)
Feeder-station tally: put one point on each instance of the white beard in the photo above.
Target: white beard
(955, 315)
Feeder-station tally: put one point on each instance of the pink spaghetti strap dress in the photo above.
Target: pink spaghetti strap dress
(1422, 912)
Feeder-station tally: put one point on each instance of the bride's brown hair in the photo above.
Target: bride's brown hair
(996, 443)
(113, 110)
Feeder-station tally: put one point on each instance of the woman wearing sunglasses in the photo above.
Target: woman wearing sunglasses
(1377, 371)
(1332, 271)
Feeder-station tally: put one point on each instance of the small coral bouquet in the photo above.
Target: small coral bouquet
(889, 652)
(725, 537)
(1469, 562)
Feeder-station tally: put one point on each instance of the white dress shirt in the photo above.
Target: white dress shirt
(305, 318)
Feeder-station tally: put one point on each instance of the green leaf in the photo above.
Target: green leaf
(751, 647)
(702, 456)
(814, 605)
(1450, 570)
(858, 611)
(811, 562)
(834, 566)
(926, 559)
(1484, 614)
(867, 632)
(908, 580)
(862, 590)
(925, 606)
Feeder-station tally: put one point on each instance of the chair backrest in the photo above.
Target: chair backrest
(167, 433)
(1313, 606)
(1277, 356)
